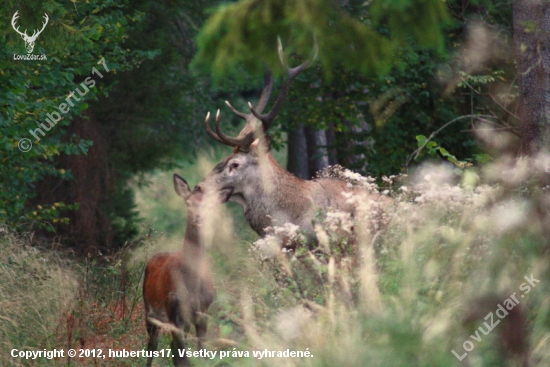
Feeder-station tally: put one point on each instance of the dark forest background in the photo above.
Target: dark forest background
(388, 74)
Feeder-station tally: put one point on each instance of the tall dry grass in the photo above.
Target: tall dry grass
(412, 283)
(416, 282)
(53, 300)
(36, 287)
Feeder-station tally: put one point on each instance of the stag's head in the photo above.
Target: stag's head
(29, 40)
(242, 170)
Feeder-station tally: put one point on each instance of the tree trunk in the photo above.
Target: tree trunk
(531, 33)
(297, 160)
(352, 152)
(89, 229)
(316, 150)
(332, 154)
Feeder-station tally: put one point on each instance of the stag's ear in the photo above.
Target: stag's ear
(181, 186)
(261, 145)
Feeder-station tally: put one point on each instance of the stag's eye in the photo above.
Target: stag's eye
(197, 188)
(233, 165)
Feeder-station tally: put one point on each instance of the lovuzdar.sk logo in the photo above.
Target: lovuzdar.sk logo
(29, 40)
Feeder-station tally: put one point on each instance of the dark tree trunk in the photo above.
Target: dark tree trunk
(316, 150)
(89, 229)
(353, 157)
(297, 160)
(332, 155)
(531, 34)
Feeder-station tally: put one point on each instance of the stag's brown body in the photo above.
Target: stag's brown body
(177, 287)
(270, 195)
(291, 199)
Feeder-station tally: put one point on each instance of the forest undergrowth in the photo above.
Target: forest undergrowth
(453, 271)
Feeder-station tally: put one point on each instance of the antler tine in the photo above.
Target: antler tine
(235, 111)
(266, 92)
(241, 143)
(291, 73)
(281, 53)
(262, 101)
(267, 119)
(212, 134)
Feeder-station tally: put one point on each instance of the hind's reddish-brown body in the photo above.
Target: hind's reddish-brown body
(177, 286)
(164, 274)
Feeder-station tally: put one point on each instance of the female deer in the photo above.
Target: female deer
(177, 287)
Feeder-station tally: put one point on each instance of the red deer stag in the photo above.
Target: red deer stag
(252, 178)
(177, 288)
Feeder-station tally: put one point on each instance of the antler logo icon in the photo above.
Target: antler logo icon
(29, 40)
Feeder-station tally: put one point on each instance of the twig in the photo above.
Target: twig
(469, 86)
(503, 107)
(432, 135)
(510, 88)
(487, 129)
(312, 306)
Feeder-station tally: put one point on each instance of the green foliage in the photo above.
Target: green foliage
(76, 39)
(478, 80)
(153, 117)
(245, 33)
(402, 19)
(377, 118)
(434, 149)
(141, 49)
(121, 211)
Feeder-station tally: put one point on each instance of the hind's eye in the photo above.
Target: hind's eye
(233, 165)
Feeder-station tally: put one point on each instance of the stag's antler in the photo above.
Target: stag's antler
(291, 73)
(242, 143)
(262, 102)
(246, 136)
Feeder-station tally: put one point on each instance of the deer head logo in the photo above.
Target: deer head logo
(29, 40)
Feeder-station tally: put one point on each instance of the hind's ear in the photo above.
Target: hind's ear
(181, 186)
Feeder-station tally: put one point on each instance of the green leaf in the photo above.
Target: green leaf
(482, 158)
(421, 139)
(431, 145)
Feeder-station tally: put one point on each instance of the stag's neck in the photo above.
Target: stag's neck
(280, 197)
(279, 183)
